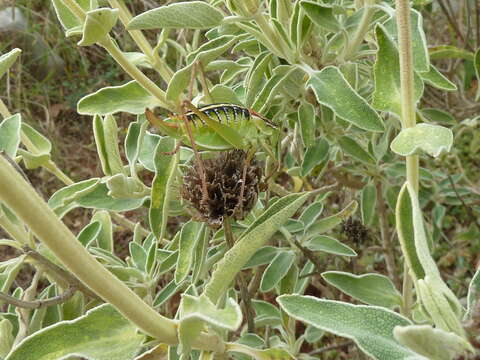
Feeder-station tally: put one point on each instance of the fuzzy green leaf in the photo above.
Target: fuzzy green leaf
(10, 134)
(437, 79)
(105, 335)
(201, 308)
(323, 225)
(259, 232)
(433, 139)
(165, 166)
(7, 60)
(370, 327)
(421, 61)
(433, 343)
(189, 236)
(276, 270)
(352, 148)
(368, 204)
(321, 15)
(180, 15)
(387, 94)
(372, 289)
(97, 25)
(329, 245)
(332, 90)
(129, 97)
(314, 155)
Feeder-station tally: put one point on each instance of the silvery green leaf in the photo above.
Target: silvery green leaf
(106, 334)
(321, 15)
(432, 139)
(433, 343)
(473, 294)
(329, 245)
(437, 79)
(230, 317)
(306, 120)
(368, 203)
(314, 155)
(6, 337)
(323, 225)
(204, 54)
(189, 236)
(129, 97)
(165, 166)
(10, 129)
(387, 95)
(372, 289)
(105, 237)
(371, 327)
(97, 25)
(276, 270)
(179, 15)
(332, 90)
(257, 234)
(352, 148)
(421, 61)
(438, 116)
(7, 60)
(67, 19)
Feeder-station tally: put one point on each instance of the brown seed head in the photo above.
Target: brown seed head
(224, 181)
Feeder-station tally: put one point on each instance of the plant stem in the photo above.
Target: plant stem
(23, 200)
(408, 118)
(65, 296)
(142, 42)
(249, 313)
(368, 11)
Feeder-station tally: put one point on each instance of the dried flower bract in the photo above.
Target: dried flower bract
(224, 182)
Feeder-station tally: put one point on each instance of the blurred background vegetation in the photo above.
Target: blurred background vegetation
(54, 74)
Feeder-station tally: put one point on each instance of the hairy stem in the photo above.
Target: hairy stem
(408, 117)
(16, 193)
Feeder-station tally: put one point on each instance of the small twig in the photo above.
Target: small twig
(65, 296)
(469, 210)
(203, 81)
(242, 283)
(58, 271)
(331, 347)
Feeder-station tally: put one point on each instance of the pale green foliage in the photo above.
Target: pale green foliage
(370, 327)
(105, 335)
(327, 77)
(432, 139)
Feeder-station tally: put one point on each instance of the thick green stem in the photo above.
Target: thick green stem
(24, 201)
(408, 116)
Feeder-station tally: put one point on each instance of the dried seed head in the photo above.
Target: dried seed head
(355, 230)
(224, 181)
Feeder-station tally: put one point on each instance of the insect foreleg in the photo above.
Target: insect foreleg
(198, 158)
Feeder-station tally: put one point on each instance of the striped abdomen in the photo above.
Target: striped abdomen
(227, 114)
